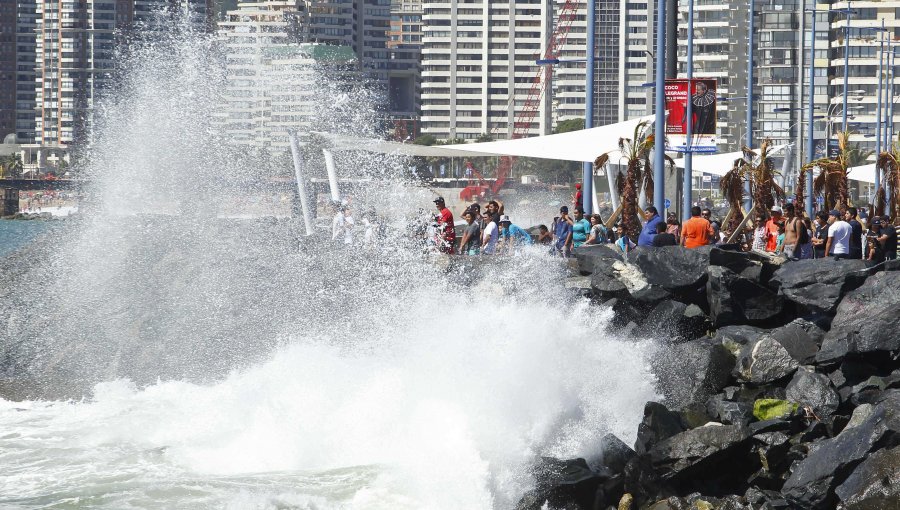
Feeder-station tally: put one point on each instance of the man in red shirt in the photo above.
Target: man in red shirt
(446, 232)
(772, 229)
(576, 198)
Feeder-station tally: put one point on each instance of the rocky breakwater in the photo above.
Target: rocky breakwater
(780, 384)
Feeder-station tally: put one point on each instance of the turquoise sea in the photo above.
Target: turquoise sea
(15, 234)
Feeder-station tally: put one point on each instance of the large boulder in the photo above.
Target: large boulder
(592, 256)
(764, 360)
(734, 299)
(800, 338)
(874, 484)
(713, 457)
(808, 388)
(676, 321)
(562, 484)
(692, 371)
(814, 479)
(866, 320)
(751, 265)
(819, 285)
(673, 268)
(659, 423)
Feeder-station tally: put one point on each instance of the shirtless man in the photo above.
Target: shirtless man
(793, 233)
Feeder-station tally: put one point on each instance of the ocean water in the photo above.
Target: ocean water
(191, 363)
(17, 234)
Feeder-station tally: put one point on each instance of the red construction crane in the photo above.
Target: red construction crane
(525, 116)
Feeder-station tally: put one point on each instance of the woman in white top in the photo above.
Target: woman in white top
(489, 235)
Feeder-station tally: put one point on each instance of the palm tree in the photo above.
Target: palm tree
(889, 163)
(732, 186)
(11, 166)
(832, 181)
(759, 171)
(638, 175)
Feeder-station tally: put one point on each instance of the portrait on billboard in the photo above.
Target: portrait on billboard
(702, 96)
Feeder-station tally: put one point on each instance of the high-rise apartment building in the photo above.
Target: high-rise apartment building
(8, 75)
(24, 68)
(404, 69)
(156, 13)
(478, 65)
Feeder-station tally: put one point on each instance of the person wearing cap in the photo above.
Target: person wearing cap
(512, 235)
(876, 248)
(577, 196)
(580, 228)
(651, 216)
(772, 229)
(446, 232)
(562, 231)
(857, 233)
(839, 232)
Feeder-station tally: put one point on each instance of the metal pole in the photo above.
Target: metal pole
(748, 201)
(587, 173)
(810, 106)
(688, 178)
(878, 107)
(332, 175)
(659, 175)
(846, 67)
(890, 125)
(301, 184)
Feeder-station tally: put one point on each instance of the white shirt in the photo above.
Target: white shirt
(489, 237)
(840, 232)
(342, 225)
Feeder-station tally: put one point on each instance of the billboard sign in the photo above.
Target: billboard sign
(703, 115)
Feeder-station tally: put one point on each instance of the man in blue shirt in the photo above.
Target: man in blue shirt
(651, 215)
(561, 230)
(512, 235)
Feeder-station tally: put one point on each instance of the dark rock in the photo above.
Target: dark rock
(800, 338)
(808, 388)
(734, 299)
(695, 414)
(818, 285)
(714, 458)
(614, 454)
(775, 425)
(692, 371)
(659, 423)
(676, 321)
(563, 483)
(738, 334)
(673, 268)
(605, 282)
(594, 257)
(772, 448)
(753, 266)
(764, 360)
(624, 311)
(814, 479)
(874, 484)
(735, 413)
(866, 320)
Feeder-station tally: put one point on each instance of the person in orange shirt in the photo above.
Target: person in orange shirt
(772, 229)
(697, 231)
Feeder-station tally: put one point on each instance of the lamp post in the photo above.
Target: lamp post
(878, 114)
(846, 64)
(748, 201)
(687, 178)
(659, 175)
(587, 174)
(810, 105)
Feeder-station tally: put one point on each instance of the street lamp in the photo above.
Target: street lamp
(687, 178)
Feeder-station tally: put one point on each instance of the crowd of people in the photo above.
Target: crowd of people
(779, 231)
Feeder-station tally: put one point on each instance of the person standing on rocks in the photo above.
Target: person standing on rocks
(562, 231)
(663, 238)
(696, 231)
(887, 236)
(839, 232)
(876, 248)
(489, 235)
(821, 235)
(471, 239)
(772, 229)
(446, 232)
(856, 234)
(673, 227)
(794, 233)
(759, 233)
(651, 215)
(598, 233)
(512, 236)
(580, 229)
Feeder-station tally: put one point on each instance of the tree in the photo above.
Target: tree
(832, 183)
(569, 125)
(11, 166)
(639, 176)
(889, 163)
(425, 140)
